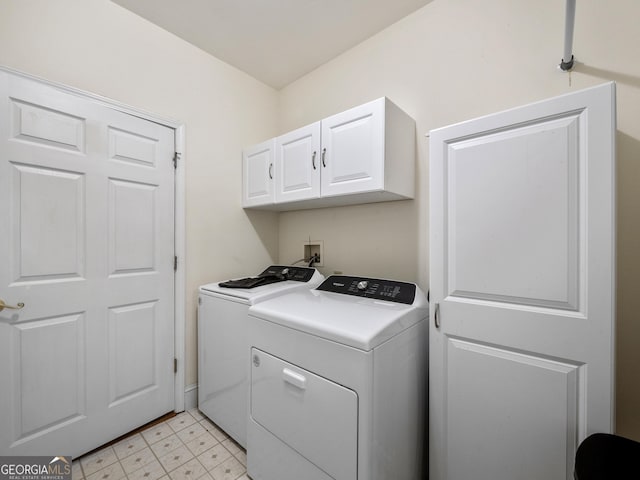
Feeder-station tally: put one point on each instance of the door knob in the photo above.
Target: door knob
(4, 305)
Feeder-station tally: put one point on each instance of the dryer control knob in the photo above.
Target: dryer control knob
(362, 285)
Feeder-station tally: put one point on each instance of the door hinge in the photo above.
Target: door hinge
(176, 157)
(175, 263)
(175, 365)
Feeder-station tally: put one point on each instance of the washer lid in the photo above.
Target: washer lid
(359, 322)
(302, 278)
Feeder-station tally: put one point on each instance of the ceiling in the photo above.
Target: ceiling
(275, 41)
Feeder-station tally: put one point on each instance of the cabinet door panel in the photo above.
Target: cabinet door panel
(258, 172)
(298, 164)
(522, 277)
(353, 150)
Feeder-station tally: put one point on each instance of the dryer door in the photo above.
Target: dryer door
(314, 416)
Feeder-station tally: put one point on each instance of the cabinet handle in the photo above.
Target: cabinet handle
(313, 160)
(436, 316)
(271, 171)
(324, 152)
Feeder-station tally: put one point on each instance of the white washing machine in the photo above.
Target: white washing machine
(223, 349)
(338, 382)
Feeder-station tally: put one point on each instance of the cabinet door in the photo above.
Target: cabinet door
(522, 275)
(298, 164)
(258, 171)
(352, 153)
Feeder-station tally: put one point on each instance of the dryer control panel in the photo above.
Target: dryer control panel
(376, 288)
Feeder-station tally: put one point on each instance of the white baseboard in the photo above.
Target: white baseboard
(191, 396)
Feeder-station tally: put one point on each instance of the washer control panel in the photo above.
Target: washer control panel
(299, 274)
(376, 288)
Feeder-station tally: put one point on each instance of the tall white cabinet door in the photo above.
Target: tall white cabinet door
(352, 153)
(86, 243)
(522, 239)
(258, 172)
(298, 164)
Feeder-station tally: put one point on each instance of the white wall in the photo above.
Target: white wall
(454, 60)
(102, 48)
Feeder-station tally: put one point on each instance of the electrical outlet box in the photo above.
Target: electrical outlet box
(311, 248)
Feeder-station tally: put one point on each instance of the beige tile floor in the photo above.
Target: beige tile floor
(185, 447)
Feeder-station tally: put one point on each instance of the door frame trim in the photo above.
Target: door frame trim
(179, 214)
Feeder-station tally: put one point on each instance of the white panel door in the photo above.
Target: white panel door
(522, 288)
(87, 244)
(298, 164)
(258, 171)
(352, 153)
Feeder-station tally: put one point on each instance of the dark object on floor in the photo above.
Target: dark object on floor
(603, 456)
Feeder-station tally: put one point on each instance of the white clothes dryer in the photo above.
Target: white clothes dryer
(338, 382)
(223, 349)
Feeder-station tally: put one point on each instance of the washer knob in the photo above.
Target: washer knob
(362, 285)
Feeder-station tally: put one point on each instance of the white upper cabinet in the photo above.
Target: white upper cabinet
(258, 172)
(298, 164)
(363, 155)
(353, 150)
